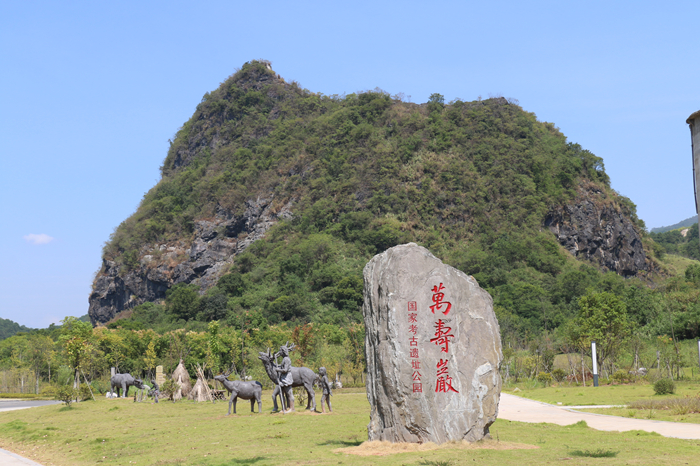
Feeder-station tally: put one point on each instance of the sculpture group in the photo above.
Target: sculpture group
(283, 375)
(433, 353)
(286, 376)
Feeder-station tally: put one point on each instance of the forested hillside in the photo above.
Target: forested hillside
(687, 223)
(273, 198)
(681, 241)
(9, 328)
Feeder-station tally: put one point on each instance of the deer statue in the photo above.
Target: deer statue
(302, 377)
(245, 390)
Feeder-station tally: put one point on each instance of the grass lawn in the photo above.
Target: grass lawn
(676, 265)
(602, 395)
(120, 432)
(653, 414)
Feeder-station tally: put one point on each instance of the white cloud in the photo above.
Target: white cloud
(38, 239)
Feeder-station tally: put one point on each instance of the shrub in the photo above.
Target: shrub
(559, 374)
(66, 394)
(84, 393)
(100, 387)
(48, 390)
(545, 378)
(664, 387)
(169, 387)
(621, 377)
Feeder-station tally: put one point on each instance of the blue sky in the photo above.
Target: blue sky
(90, 93)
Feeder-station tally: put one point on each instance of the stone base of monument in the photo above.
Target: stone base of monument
(433, 350)
(377, 448)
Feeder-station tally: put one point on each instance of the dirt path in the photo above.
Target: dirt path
(515, 408)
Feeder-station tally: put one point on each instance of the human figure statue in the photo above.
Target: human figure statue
(284, 372)
(326, 387)
(155, 392)
(301, 376)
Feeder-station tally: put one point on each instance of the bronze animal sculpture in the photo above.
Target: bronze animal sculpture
(245, 390)
(301, 377)
(124, 381)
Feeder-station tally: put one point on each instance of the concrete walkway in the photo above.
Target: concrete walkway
(7, 458)
(515, 408)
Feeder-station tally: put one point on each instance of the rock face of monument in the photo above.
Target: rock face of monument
(433, 350)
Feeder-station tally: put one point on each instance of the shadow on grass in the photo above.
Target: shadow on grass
(599, 453)
(235, 462)
(342, 443)
(435, 463)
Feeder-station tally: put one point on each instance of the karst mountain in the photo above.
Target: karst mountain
(273, 198)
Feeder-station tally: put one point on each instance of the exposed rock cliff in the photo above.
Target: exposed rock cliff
(598, 231)
(202, 261)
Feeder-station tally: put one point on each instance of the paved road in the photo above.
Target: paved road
(9, 405)
(515, 408)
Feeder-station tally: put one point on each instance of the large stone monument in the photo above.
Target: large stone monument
(433, 350)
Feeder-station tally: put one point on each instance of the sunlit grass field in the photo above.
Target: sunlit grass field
(653, 414)
(121, 432)
(572, 395)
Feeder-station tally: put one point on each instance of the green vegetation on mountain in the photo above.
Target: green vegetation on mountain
(674, 242)
(471, 181)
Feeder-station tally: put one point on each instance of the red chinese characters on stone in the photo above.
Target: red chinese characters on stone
(444, 381)
(438, 297)
(413, 343)
(442, 336)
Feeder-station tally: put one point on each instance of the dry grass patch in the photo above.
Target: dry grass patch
(387, 448)
(685, 405)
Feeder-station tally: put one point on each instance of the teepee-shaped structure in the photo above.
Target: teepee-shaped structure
(182, 377)
(201, 390)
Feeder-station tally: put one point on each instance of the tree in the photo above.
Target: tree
(182, 301)
(111, 343)
(436, 102)
(602, 318)
(150, 358)
(40, 350)
(76, 337)
(213, 358)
